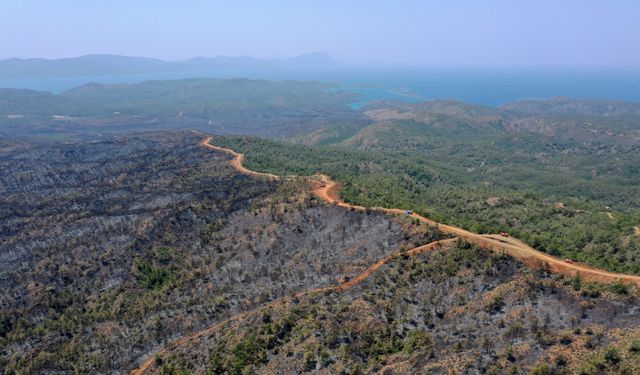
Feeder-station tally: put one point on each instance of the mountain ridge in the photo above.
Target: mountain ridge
(107, 64)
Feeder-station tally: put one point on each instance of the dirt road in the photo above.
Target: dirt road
(237, 160)
(509, 245)
(148, 364)
(374, 267)
(329, 191)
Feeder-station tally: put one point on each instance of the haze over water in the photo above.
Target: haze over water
(577, 48)
(486, 86)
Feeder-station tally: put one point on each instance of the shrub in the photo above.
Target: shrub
(588, 369)
(417, 339)
(612, 355)
(152, 277)
(620, 288)
(495, 304)
(541, 369)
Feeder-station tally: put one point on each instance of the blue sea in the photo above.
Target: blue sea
(486, 86)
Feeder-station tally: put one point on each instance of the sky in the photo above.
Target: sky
(405, 32)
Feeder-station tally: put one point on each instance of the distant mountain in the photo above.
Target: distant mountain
(80, 66)
(94, 65)
(309, 60)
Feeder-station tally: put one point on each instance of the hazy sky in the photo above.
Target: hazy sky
(425, 32)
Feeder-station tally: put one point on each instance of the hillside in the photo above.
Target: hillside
(188, 95)
(563, 181)
(111, 249)
(569, 106)
(258, 348)
(572, 192)
(18, 102)
(454, 310)
(274, 109)
(160, 246)
(192, 95)
(124, 249)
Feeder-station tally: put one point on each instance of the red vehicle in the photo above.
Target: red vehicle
(504, 234)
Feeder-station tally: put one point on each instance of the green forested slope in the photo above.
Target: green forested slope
(554, 218)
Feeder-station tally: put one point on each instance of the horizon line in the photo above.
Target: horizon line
(348, 63)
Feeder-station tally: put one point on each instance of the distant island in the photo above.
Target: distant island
(96, 65)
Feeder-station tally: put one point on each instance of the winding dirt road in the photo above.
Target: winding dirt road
(237, 161)
(329, 191)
